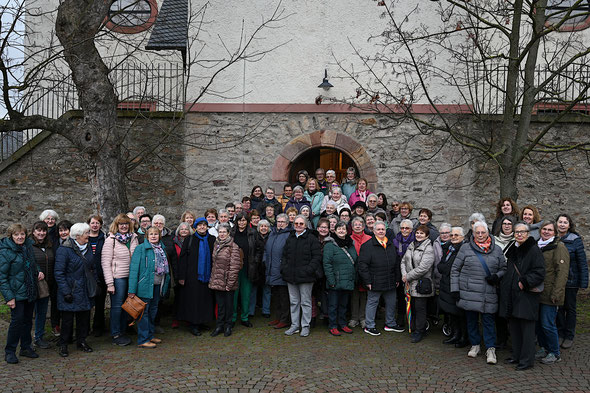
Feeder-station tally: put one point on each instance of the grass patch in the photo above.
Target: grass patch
(583, 319)
(4, 312)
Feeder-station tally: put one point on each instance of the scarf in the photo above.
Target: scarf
(402, 243)
(506, 238)
(81, 247)
(382, 242)
(362, 195)
(219, 244)
(485, 246)
(161, 260)
(343, 243)
(123, 238)
(359, 239)
(542, 243)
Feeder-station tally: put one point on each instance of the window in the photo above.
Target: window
(131, 16)
(578, 18)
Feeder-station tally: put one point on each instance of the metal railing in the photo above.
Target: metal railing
(152, 87)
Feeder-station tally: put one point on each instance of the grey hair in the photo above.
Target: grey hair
(357, 218)
(476, 217)
(303, 218)
(159, 217)
(181, 225)
(380, 223)
(331, 202)
(78, 229)
(222, 211)
(337, 189)
(460, 229)
(237, 203)
(445, 225)
(330, 172)
(298, 188)
(138, 208)
(522, 224)
(263, 222)
(283, 215)
(480, 224)
(47, 213)
(224, 225)
(270, 188)
(372, 196)
(333, 216)
(407, 221)
(304, 207)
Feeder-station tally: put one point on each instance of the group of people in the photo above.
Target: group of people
(321, 250)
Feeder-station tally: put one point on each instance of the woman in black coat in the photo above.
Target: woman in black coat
(519, 299)
(446, 301)
(196, 303)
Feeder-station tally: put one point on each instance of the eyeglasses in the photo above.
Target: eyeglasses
(406, 228)
(507, 223)
(281, 222)
(299, 224)
(520, 232)
(445, 233)
(456, 235)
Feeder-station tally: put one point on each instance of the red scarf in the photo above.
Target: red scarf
(359, 240)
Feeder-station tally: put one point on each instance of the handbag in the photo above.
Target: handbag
(91, 284)
(135, 307)
(42, 289)
(424, 286)
(538, 289)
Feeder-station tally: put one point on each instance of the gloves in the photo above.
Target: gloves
(493, 279)
(68, 298)
(456, 296)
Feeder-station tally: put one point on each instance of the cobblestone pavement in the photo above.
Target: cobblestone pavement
(265, 360)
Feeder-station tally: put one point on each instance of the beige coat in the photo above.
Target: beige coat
(116, 257)
(417, 263)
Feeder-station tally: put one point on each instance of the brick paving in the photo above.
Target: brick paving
(262, 359)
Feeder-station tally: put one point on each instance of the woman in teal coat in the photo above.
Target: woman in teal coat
(339, 267)
(315, 196)
(149, 277)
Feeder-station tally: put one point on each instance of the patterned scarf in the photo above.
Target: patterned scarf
(161, 260)
(204, 261)
(485, 246)
(123, 238)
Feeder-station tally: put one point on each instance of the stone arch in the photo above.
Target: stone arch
(324, 138)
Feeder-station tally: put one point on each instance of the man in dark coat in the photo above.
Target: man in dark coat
(195, 299)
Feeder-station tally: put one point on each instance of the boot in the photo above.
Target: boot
(455, 337)
(463, 341)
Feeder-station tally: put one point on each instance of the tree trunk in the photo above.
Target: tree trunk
(508, 181)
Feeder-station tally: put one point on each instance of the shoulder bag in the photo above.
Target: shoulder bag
(135, 307)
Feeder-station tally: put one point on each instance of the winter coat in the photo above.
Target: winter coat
(379, 266)
(433, 234)
(255, 252)
(282, 199)
(348, 187)
(255, 204)
(578, 275)
(340, 271)
(446, 301)
(278, 207)
(142, 271)
(342, 203)
(417, 264)
(226, 264)
(468, 277)
(17, 268)
(297, 204)
(96, 244)
(273, 252)
(302, 258)
(535, 230)
(516, 302)
(355, 197)
(396, 222)
(315, 202)
(45, 259)
(168, 242)
(189, 257)
(116, 258)
(70, 275)
(557, 265)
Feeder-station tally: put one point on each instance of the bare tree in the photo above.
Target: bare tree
(87, 56)
(498, 62)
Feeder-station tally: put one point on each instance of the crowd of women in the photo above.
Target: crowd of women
(322, 250)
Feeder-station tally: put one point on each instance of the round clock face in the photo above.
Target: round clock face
(131, 16)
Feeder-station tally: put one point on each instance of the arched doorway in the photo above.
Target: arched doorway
(322, 157)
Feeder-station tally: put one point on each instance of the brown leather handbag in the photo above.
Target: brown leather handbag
(135, 307)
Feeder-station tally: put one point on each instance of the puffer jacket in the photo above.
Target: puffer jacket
(315, 201)
(557, 264)
(355, 197)
(143, 269)
(418, 263)
(70, 276)
(45, 259)
(379, 266)
(17, 268)
(578, 275)
(273, 253)
(297, 204)
(226, 264)
(340, 271)
(516, 302)
(468, 277)
(302, 258)
(116, 257)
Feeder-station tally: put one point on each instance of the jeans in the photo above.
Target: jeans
(300, 300)
(21, 322)
(337, 305)
(566, 316)
(265, 299)
(243, 292)
(489, 328)
(118, 316)
(147, 324)
(546, 329)
(41, 306)
(67, 326)
(373, 297)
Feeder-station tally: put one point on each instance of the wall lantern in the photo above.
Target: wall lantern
(325, 84)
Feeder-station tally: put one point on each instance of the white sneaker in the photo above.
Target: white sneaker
(292, 330)
(491, 355)
(474, 351)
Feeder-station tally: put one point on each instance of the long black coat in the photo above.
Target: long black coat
(302, 258)
(514, 302)
(255, 253)
(195, 299)
(378, 266)
(445, 300)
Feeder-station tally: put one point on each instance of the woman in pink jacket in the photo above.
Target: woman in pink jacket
(116, 257)
(361, 193)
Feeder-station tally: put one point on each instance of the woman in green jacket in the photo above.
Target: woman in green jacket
(339, 267)
(149, 277)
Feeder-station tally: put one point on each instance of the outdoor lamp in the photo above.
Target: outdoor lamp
(325, 84)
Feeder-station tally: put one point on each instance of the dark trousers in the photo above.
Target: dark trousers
(419, 307)
(21, 322)
(55, 314)
(522, 332)
(280, 298)
(337, 305)
(501, 330)
(401, 306)
(566, 315)
(67, 326)
(225, 308)
(99, 301)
